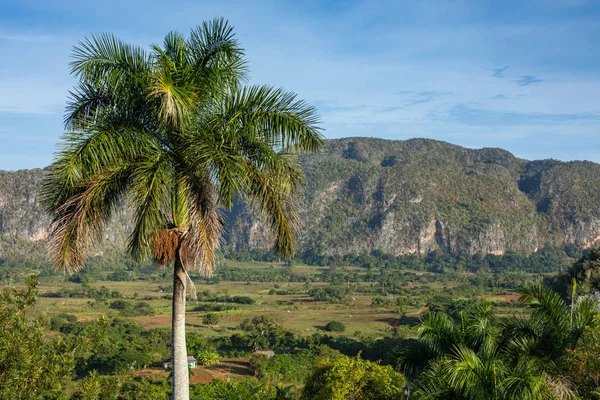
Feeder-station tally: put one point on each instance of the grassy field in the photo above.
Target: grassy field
(301, 316)
(295, 312)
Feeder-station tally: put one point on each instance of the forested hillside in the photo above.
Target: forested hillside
(417, 196)
(400, 197)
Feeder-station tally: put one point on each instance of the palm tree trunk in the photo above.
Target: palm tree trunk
(181, 384)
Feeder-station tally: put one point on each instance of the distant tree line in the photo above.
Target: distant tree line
(547, 259)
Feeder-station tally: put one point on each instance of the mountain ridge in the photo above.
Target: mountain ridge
(401, 197)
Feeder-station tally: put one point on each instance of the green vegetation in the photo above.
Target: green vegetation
(210, 319)
(208, 358)
(477, 355)
(423, 196)
(371, 195)
(585, 272)
(129, 309)
(539, 347)
(175, 134)
(33, 367)
(343, 378)
(335, 326)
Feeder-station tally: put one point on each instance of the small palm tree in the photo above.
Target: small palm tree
(552, 326)
(479, 356)
(439, 335)
(173, 133)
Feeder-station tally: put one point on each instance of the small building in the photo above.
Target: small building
(266, 353)
(192, 363)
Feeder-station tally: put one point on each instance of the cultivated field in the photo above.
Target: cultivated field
(297, 312)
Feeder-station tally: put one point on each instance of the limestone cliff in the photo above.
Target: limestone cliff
(402, 197)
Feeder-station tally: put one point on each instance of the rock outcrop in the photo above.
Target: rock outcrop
(401, 197)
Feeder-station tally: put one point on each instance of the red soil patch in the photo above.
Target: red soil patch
(229, 368)
(226, 369)
(201, 376)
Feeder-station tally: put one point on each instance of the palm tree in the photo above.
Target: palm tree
(174, 134)
(479, 356)
(552, 326)
(439, 335)
(484, 375)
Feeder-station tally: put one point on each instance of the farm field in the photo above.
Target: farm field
(298, 314)
(292, 306)
(366, 308)
(261, 323)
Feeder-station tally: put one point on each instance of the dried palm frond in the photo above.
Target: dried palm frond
(199, 245)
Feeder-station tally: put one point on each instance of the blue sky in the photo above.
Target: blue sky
(520, 75)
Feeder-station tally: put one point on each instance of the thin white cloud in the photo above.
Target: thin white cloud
(373, 68)
(4, 37)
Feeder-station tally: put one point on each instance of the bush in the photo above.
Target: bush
(82, 277)
(60, 320)
(352, 378)
(119, 276)
(330, 294)
(214, 307)
(257, 363)
(120, 305)
(288, 368)
(210, 319)
(208, 358)
(335, 326)
(128, 309)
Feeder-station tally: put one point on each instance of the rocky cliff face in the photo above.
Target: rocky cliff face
(417, 196)
(402, 197)
(20, 212)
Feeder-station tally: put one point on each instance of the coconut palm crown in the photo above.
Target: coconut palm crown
(173, 133)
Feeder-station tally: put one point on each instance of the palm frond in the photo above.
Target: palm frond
(479, 326)
(79, 219)
(271, 194)
(84, 154)
(106, 60)
(84, 104)
(276, 117)
(433, 383)
(412, 357)
(176, 99)
(547, 307)
(206, 225)
(218, 58)
(525, 381)
(150, 194)
(560, 389)
(585, 315)
(439, 332)
(175, 50)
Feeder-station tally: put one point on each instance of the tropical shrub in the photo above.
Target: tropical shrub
(345, 378)
(210, 319)
(208, 358)
(335, 326)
